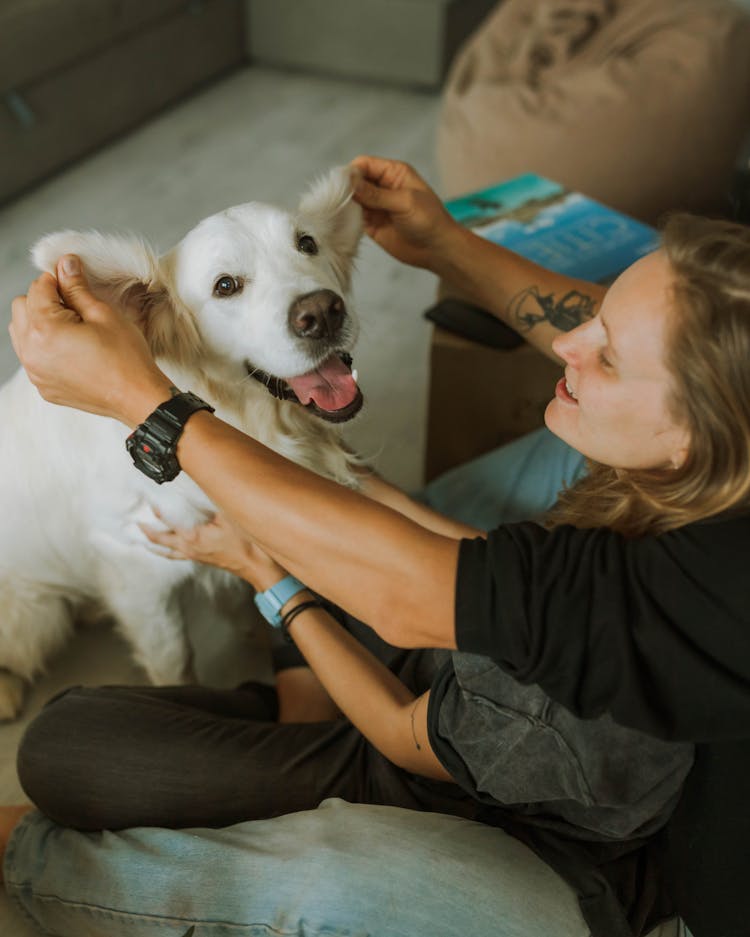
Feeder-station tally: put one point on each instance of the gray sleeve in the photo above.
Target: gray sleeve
(513, 745)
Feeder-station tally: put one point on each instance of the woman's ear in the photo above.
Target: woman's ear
(333, 215)
(681, 449)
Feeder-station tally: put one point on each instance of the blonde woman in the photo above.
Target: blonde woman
(565, 748)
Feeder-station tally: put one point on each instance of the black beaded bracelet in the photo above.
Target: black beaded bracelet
(288, 617)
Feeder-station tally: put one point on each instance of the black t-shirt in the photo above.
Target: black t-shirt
(656, 632)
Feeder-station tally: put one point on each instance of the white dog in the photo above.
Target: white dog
(250, 311)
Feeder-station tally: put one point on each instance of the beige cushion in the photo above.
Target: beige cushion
(641, 104)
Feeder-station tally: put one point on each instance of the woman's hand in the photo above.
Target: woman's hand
(79, 352)
(218, 543)
(402, 213)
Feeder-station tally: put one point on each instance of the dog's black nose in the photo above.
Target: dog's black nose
(317, 315)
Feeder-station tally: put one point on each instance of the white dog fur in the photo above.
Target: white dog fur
(69, 495)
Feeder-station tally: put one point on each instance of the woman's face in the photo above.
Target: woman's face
(611, 405)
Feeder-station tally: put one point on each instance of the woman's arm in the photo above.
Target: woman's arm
(408, 220)
(538, 304)
(384, 710)
(383, 492)
(379, 565)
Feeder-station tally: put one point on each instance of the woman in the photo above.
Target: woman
(627, 609)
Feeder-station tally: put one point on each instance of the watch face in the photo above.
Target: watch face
(152, 461)
(152, 444)
(150, 465)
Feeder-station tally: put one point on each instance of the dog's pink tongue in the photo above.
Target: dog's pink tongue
(331, 386)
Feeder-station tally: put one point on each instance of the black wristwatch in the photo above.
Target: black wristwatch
(153, 444)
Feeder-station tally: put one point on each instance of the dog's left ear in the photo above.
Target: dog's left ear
(332, 214)
(125, 271)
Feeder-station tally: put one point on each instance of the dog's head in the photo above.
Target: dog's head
(252, 292)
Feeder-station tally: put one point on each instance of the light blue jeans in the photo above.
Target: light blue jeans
(342, 870)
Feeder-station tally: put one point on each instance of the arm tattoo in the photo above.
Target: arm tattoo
(529, 307)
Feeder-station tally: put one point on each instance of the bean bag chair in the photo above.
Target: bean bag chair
(641, 104)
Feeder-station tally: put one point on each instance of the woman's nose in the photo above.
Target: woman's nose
(571, 346)
(564, 346)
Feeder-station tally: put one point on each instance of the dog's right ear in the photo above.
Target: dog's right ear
(126, 272)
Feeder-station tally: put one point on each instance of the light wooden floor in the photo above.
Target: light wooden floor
(259, 135)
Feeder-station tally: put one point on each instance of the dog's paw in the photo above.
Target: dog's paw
(12, 694)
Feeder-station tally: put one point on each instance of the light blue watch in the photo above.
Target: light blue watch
(271, 601)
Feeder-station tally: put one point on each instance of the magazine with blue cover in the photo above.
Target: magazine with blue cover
(562, 230)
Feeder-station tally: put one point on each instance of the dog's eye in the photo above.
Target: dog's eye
(227, 286)
(306, 244)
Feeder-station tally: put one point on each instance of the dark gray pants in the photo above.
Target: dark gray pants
(123, 756)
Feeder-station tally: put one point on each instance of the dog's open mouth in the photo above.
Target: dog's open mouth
(330, 391)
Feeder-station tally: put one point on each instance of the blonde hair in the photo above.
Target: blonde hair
(708, 357)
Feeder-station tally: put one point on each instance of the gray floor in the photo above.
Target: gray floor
(259, 135)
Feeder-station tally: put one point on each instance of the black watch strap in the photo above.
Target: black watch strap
(152, 444)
